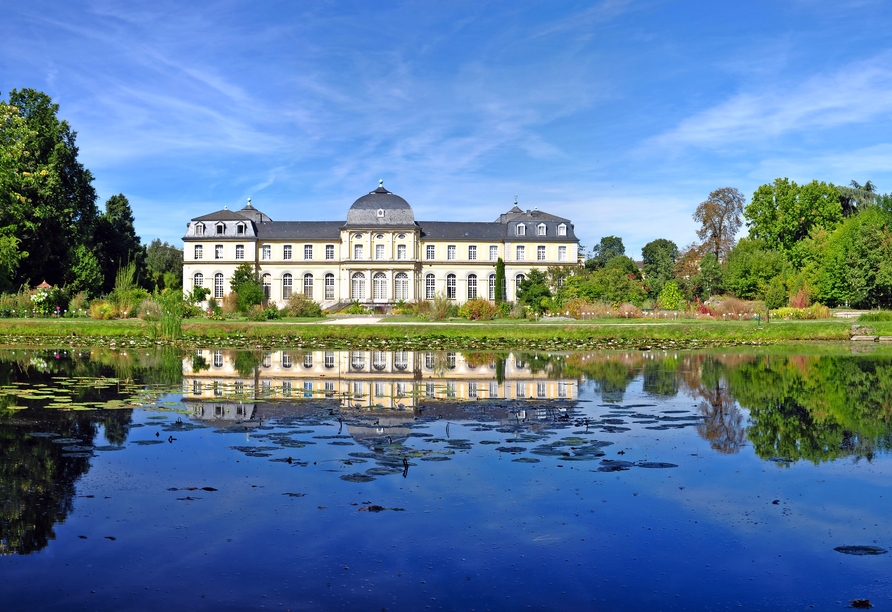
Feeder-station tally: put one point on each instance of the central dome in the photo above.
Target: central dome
(380, 207)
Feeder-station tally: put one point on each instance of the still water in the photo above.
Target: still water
(409, 481)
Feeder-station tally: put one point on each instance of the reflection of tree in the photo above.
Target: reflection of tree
(722, 426)
(610, 373)
(660, 376)
(38, 483)
(817, 408)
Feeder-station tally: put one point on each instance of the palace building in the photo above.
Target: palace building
(378, 256)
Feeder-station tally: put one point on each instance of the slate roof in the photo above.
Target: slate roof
(223, 215)
(470, 230)
(300, 230)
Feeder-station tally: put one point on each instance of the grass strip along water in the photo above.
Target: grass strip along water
(385, 335)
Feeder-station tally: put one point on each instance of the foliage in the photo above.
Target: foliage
(300, 305)
(501, 295)
(478, 310)
(101, 309)
(533, 291)
(733, 308)
(247, 362)
(750, 267)
(719, 219)
(775, 294)
(247, 287)
(46, 196)
(784, 214)
(880, 315)
(270, 313)
(116, 244)
(608, 248)
(164, 264)
(617, 282)
(671, 296)
(85, 273)
(357, 309)
(815, 311)
(856, 197)
(441, 307)
(659, 257)
(173, 307)
(856, 262)
(126, 295)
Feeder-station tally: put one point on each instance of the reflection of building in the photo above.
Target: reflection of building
(399, 379)
(379, 255)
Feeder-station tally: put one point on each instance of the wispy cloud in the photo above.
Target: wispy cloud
(856, 94)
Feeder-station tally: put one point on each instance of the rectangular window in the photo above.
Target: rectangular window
(472, 390)
(540, 389)
(521, 253)
(520, 230)
(329, 359)
(430, 287)
(266, 252)
(450, 389)
(308, 251)
(286, 360)
(450, 251)
(199, 251)
(286, 388)
(450, 286)
(329, 286)
(357, 251)
(492, 286)
(329, 251)
(358, 389)
(430, 251)
(494, 389)
(308, 389)
(493, 253)
(472, 252)
(218, 286)
(562, 253)
(401, 251)
(540, 229)
(430, 390)
(199, 229)
(519, 390)
(562, 230)
(562, 390)
(329, 389)
(379, 251)
(239, 251)
(380, 389)
(540, 253)
(286, 251)
(218, 251)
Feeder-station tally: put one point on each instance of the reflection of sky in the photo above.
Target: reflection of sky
(479, 531)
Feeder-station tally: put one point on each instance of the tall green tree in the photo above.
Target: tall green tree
(116, 243)
(500, 281)
(750, 268)
(783, 215)
(719, 219)
(164, 263)
(49, 202)
(534, 290)
(659, 257)
(608, 248)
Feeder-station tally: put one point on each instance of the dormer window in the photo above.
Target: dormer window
(380, 213)
(562, 229)
(520, 230)
(240, 229)
(220, 229)
(199, 229)
(540, 229)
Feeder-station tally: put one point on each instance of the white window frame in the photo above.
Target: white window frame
(287, 252)
(541, 230)
(308, 285)
(430, 252)
(562, 253)
(451, 283)
(308, 251)
(493, 252)
(239, 251)
(198, 252)
(329, 286)
(472, 252)
(199, 229)
(472, 286)
(329, 251)
(287, 285)
(379, 252)
(562, 229)
(430, 286)
(451, 251)
(198, 280)
(266, 252)
(520, 253)
(520, 229)
(218, 251)
(358, 252)
(540, 253)
(401, 251)
(218, 285)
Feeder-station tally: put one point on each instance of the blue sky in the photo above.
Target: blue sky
(621, 115)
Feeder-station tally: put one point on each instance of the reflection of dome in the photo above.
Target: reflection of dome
(380, 208)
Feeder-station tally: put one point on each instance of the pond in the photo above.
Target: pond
(134, 480)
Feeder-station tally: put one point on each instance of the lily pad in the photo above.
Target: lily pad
(357, 477)
(525, 460)
(861, 550)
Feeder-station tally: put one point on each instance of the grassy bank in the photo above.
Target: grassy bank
(432, 336)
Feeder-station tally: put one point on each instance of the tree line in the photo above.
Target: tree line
(51, 228)
(804, 244)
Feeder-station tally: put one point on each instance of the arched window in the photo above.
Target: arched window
(450, 286)
(562, 230)
(308, 285)
(199, 229)
(267, 281)
(430, 287)
(492, 286)
(518, 279)
(287, 284)
(220, 229)
(358, 288)
(198, 280)
(520, 229)
(379, 282)
(379, 360)
(401, 286)
(540, 229)
(472, 286)
(329, 286)
(218, 285)
(401, 360)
